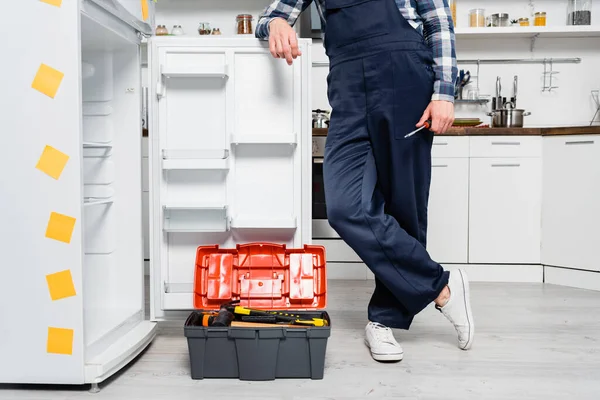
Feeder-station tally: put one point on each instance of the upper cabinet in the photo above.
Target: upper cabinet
(230, 157)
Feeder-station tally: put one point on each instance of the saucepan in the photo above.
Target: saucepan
(508, 117)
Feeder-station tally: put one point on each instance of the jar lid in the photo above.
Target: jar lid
(524, 19)
(540, 13)
(245, 16)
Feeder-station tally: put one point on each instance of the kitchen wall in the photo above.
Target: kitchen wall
(570, 104)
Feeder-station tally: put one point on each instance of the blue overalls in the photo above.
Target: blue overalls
(376, 181)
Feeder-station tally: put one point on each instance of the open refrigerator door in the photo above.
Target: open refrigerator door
(74, 310)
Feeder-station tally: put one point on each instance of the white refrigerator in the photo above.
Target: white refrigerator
(229, 163)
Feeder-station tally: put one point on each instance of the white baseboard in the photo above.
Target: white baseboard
(572, 277)
(476, 273)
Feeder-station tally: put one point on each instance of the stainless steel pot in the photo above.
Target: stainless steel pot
(508, 117)
(320, 119)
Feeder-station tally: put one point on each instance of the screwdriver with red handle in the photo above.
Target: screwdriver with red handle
(426, 125)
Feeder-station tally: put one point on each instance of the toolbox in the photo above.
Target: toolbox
(259, 276)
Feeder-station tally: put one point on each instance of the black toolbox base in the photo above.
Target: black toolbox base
(257, 354)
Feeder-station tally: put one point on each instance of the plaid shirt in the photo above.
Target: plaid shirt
(431, 18)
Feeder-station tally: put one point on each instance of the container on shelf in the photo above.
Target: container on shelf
(177, 30)
(216, 31)
(477, 18)
(264, 276)
(540, 19)
(161, 30)
(524, 21)
(453, 10)
(244, 24)
(499, 20)
(579, 12)
(204, 28)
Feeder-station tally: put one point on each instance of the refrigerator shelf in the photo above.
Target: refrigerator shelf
(94, 201)
(97, 145)
(195, 217)
(209, 71)
(263, 223)
(195, 159)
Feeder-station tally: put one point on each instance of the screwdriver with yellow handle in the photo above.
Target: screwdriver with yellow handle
(280, 316)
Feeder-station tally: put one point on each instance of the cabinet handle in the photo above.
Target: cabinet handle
(506, 165)
(440, 166)
(318, 161)
(506, 143)
(579, 142)
(441, 144)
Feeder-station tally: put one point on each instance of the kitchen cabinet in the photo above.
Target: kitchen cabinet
(571, 192)
(230, 154)
(448, 214)
(505, 210)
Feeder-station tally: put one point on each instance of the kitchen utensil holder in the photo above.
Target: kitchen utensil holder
(548, 75)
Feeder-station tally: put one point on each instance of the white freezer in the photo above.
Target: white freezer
(229, 163)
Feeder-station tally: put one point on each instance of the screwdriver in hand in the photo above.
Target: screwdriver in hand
(426, 125)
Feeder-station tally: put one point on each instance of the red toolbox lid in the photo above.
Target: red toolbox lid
(261, 275)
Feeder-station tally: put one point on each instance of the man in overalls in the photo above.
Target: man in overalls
(392, 67)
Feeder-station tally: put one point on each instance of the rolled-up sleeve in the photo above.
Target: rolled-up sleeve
(288, 10)
(438, 30)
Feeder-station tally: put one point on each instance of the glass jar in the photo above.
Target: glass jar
(500, 20)
(216, 31)
(540, 19)
(177, 30)
(244, 24)
(204, 28)
(579, 12)
(453, 11)
(524, 21)
(161, 30)
(477, 18)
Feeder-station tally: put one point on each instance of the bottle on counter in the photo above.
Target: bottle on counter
(579, 12)
(161, 30)
(177, 30)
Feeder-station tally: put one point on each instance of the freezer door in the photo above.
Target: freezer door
(230, 154)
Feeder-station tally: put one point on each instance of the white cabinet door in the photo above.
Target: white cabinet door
(571, 210)
(505, 210)
(448, 216)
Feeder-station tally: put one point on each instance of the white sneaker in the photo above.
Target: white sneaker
(458, 308)
(380, 340)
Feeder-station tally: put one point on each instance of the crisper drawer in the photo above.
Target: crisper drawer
(450, 147)
(506, 146)
(336, 250)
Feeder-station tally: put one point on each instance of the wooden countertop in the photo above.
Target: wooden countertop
(558, 131)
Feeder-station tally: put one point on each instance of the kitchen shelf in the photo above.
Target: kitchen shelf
(529, 32)
(195, 159)
(195, 217)
(211, 71)
(263, 139)
(468, 101)
(263, 223)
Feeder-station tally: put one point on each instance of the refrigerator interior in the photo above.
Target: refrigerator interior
(112, 237)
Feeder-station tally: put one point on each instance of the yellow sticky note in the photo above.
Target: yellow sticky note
(60, 227)
(60, 341)
(56, 3)
(144, 9)
(47, 80)
(60, 285)
(52, 162)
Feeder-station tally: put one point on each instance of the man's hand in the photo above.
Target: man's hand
(441, 114)
(283, 41)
